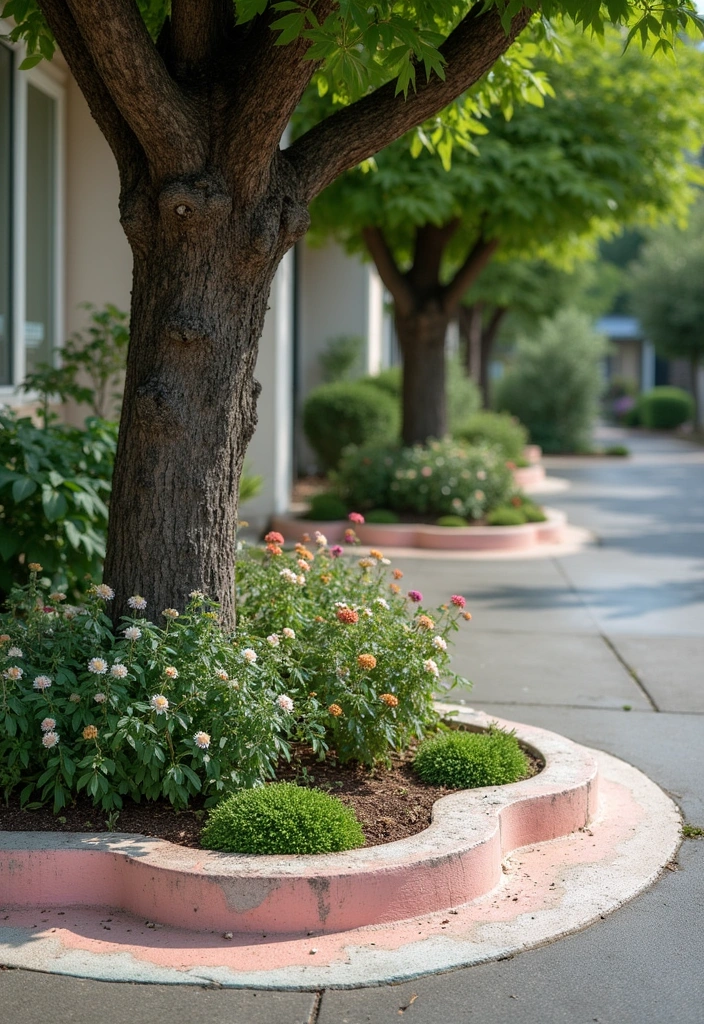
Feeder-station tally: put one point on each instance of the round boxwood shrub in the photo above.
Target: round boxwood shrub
(664, 408)
(282, 818)
(466, 760)
(533, 513)
(339, 414)
(452, 521)
(505, 515)
(389, 381)
(326, 507)
(382, 516)
(498, 428)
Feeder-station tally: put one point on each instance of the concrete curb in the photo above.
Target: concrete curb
(457, 859)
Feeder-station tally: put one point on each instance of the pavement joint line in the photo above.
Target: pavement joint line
(631, 671)
(571, 707)
(576, 591)
(315, 1009)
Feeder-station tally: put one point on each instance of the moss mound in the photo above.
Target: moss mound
(466, 760)
(282, 818)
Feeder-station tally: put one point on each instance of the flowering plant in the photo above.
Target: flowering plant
(327, 652)
(440, 478)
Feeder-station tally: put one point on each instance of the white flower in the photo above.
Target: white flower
(170, 613)
(202, 740)
(382, 602)
(171, 672)
(50, 739)
(221, 674)
(439, 643)
(159, 703)
(385, 561)
(137, 602)
(104, 591)
(288, 633)
(48, 725)
(479, 495)
(481, 474)
(15, 652)
(100, 698)
(302, 564)
(287, 575)
(368, 612)
(70, 612)
(74, 698)
(13, 673)
(132, 633)
(320, 539)
(98, 666)
(196, 595)
(273, 640)
(284, 702)
(301, 581)
(249, 655)
(118, 671)
(430, 666)
(233, 684)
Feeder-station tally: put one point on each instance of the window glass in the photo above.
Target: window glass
(39, 328)
(5, 211)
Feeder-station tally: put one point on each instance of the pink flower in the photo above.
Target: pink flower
(350, 537)
(415, 596)
(458, 600)
(274, 537)
(356, 517)
(336, 551)
(426, 471)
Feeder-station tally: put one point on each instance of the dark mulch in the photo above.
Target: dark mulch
(391, 803)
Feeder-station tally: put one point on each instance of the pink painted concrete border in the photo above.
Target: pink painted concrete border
(457, 859)
(529, 476)
(439, 538)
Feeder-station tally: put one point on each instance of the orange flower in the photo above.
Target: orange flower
(424, 622)
(4, 638)
(90, 733)
(395, 588)
(313, 693)
(302, 564)
(319, 618)
(306, 538)
(398, 575)
(274, 537)
(366, 661)
(325, 578)
(347, 615)
(467, 616)
(35, 567)
(389, 699)
(376, 554)
(274, 549)
(335, 710)
(366, 563)
(303, 552)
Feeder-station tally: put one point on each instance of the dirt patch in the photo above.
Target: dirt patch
(391, 803)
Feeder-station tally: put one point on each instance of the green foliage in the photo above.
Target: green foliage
(506, 515)
(554, 384)
(92, 363)
(452, 521)
(282, 818)
(325, 507)
(381, 515)
(336, 415)
(464, 398)
(617, 451)
(442, 478)
(664, 408)
(467, 760)
(340, 357)
(250, 486)
(54, 486)
(533, 513)
(498, 429)
(390, 381)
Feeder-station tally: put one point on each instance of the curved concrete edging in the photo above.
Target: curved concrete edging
(437, 538)
(456, 859)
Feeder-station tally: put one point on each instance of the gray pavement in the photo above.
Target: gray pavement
(566, 644)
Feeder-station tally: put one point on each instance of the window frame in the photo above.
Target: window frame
(49, 79)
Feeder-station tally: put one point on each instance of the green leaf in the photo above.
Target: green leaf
(31, 62)
(23, 487)
(54, 504)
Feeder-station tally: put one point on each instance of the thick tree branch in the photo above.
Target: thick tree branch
(428, 251)
(388, 269)
(356, 132)
(136, 77)
(112, 124)
(196, 31)
(479, 255)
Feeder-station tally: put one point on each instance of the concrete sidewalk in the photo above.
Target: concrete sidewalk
(568, 644)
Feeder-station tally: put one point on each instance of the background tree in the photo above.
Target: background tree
(194, 98)
(667, 294)
(606, 150)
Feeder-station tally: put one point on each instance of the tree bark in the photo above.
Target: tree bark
(471, 325)
(487, 344)
(421, 335)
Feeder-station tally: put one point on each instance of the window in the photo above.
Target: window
(30, 218)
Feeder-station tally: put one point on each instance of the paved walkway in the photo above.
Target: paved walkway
(605, 646)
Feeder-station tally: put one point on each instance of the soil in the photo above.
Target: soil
(391, 803)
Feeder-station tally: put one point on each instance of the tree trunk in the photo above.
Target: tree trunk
(487, 343)
(472, 327)
(202, 275)
(421, 336)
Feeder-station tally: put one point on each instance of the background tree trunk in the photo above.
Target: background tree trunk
(421, 336)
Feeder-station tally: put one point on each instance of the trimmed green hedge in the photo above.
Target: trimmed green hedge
(340, 414)
(665, 408)
(466, 760)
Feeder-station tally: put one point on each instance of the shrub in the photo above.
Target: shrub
(381, 516)
(340, 357)
(442, 478)
(336, 415)
(617, 450)
(326, 506)
(664, 408)
(282, 818)
(506, 515)
(554, 384)
(54, 486)
(466, 760)
(451, 521)
(496, 428)
(464, 398)
(533, 513)
(389, 381)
